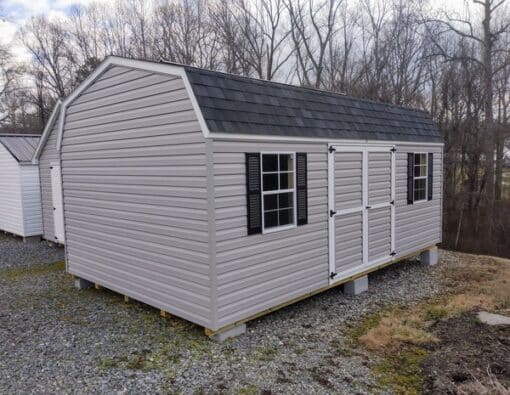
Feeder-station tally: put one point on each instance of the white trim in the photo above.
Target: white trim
(46, 133)
(162, 68)
(364, 213)
(331, 208)
(277, 191)
(393, 193)
(329, 141)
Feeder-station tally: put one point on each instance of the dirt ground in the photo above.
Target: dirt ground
(467, 351)
(439, 346)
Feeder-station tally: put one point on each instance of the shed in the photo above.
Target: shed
(20, 195)
(218, 198)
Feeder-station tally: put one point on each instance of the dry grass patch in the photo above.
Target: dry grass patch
(400, 335)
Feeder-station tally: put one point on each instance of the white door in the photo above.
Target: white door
(361, 194)
(58, 208)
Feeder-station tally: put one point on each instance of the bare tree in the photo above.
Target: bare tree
(313, 26)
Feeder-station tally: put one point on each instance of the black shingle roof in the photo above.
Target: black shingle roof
(240, 105)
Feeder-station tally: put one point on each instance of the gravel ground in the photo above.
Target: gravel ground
(54, 338)
(15, 253)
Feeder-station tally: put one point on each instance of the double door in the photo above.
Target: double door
(361, 200)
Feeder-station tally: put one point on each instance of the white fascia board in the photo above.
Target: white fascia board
(46, 132)
(331, 141)
(161, 68)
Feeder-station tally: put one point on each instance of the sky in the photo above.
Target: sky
(13, 13)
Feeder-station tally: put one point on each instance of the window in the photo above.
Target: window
(278, 191)
(420, 177)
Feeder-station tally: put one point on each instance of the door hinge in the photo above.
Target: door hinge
(331, 149)
(332, 213)
(367, 207)
(392, 202)
(393, 253)
(393, 149)
(54, 208)
(332, 275)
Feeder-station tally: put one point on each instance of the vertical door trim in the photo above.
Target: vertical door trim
(393, 203)
(331, 208)
(365, 205)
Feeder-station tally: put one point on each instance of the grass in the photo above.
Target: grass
(400, 335)
(39, 270)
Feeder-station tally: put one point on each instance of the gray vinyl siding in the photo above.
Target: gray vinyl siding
(260, 271)
(49, 154)
(418, 225)
(257, 272)
(135, 192)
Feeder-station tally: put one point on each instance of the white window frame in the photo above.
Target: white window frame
(278, 191)
(426, 177)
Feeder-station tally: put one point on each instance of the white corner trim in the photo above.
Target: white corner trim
(161, 68)
(46, 132)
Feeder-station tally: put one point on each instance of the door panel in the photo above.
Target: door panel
(348, 241)
(58, 209)
(379, 178)
(379, 233)
(348, 180)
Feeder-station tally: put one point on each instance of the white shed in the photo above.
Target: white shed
(20, 192)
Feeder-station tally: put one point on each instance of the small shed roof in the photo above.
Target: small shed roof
(240, 105)
(21, 146)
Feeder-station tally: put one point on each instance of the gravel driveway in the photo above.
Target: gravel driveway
(54, 338)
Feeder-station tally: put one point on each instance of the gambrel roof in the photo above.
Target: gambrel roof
(20, 146)
(230, 106)
(240, 105)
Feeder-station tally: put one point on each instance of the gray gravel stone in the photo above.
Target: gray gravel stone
(54, 338)
(15, 253)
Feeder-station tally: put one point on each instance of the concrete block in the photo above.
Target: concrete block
(31, 239)
(232, 332)
(430, 257)
(355, 287)
(81, 283)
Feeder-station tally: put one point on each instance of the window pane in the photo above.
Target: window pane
(420, 159)
(287, 180)
(285, 200)
(419, 189)
(420, 171)
(270, 162)
(286, 216)
(271, 219)
(270, 182)
(270, 202)
(286, 162)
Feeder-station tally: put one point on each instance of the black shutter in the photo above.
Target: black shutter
(410, 178)
(301, 188)
(430, 173)
(253, 193)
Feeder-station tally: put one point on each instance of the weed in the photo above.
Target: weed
(266, 353)
(107, 363)
(401, 370)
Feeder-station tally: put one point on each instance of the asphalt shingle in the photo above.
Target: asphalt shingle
(234, 104)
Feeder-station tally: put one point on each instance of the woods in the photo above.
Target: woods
(454, 65)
